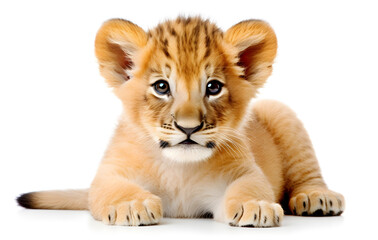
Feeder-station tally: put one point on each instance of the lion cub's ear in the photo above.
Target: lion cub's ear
(116, 44)
(256, 44)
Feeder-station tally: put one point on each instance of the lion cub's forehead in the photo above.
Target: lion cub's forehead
(189, 45)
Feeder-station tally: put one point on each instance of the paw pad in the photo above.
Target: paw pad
(254, 214)
(317, 203)
(138, 212)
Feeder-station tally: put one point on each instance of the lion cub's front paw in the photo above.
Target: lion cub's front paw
(138, 212)
(317, 203)
(253, 213)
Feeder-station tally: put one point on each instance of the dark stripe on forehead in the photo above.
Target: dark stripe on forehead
(216, 31)
(165, 45)
(187, 21)
(171, 29)
(207, 41)
(207, 53)
(159, 30)
(195, 38)
(173, 32)
(165, 50)
(207, 45)
(196, 30)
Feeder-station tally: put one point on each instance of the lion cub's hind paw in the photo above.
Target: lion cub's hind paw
(317, 203)
(134, 213)
(254, 214)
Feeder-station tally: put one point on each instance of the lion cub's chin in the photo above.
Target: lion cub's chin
(184, 153)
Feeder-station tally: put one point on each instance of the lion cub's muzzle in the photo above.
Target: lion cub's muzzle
(189, 132)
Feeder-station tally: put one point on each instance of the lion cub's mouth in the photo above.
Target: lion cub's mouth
(188, 141)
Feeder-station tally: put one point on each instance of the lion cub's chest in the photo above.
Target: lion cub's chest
(186, 191)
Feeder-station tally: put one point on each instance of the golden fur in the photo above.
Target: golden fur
(243, 158)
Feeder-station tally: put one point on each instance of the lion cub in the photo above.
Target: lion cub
(189, 142)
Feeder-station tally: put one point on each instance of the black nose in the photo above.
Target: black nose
(189, 131)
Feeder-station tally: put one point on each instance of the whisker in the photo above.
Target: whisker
(225, 141)
(234, 141)
(236, 148)
(226, 148)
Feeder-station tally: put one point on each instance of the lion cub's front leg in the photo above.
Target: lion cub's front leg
(115, 200)
(249, 202)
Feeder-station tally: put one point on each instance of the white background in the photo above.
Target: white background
(57, 114)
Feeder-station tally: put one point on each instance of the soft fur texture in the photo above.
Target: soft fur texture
(243, 157)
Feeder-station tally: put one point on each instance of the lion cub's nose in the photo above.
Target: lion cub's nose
(189, 131)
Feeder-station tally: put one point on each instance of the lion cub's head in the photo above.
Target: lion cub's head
(186, 84)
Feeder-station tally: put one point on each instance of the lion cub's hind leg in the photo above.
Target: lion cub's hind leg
(307, 191)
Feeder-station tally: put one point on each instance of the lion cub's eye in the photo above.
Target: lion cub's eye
(161, 87)
(213, 87)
